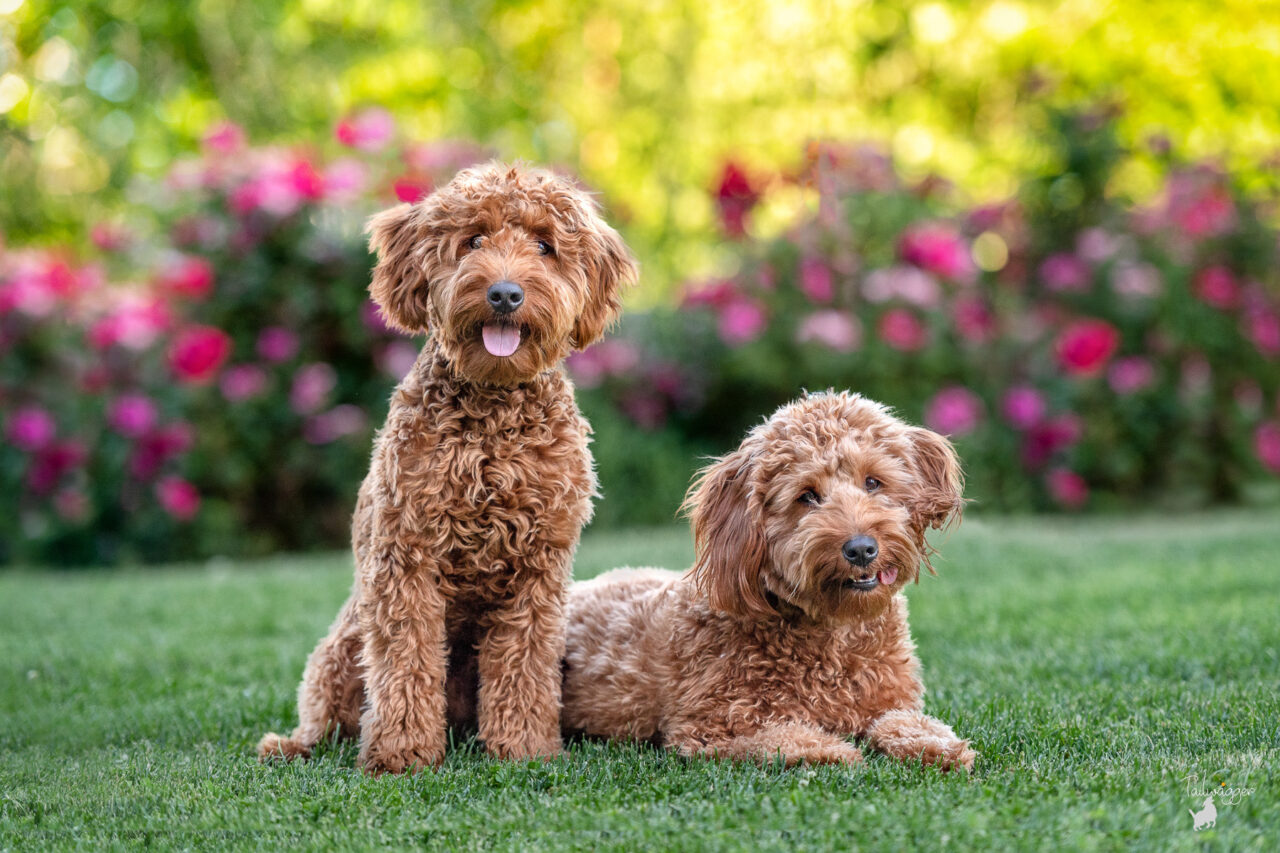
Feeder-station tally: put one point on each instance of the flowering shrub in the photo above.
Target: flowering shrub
(210, 389)
(208, 380)
(1082, 350)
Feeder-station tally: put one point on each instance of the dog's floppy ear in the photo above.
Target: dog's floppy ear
(405, 255)
(728, 536)
(939, 496)
(609, 268)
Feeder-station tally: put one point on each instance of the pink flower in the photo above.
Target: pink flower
(1216, 286)
(369, 130)
(736, 195)
(1046, 438)
(1023, 406)
(312, 384)
(242, 382)
(30, 428)
(972, 319)
(1096, 245)
(345, 179)
(901, 329)
(52, 462)
(277, 344)
(910, 284)
(197, 352)
(1130, 374)
(953, 411)
(224, 138)
(334, 424)
(1067, 488)
(1266, 443)
(1085, 346)
(1063, 272)
(412, 188)
(834, 329)
(741, 321)
(1263, 328)
(816, 281)
(1136, 281)
(132, 415)
(187, 275)
(178, 498)
(937, 248)
(156, 448)
(135, 323)
(716, 293)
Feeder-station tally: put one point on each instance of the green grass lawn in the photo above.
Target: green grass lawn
(1095, 664)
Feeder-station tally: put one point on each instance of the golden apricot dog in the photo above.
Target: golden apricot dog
(789, 635)
(466, 525)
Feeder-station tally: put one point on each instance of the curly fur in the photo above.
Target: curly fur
(466, 524)
(762, 650)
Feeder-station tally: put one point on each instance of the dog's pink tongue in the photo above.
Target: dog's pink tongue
(888, 576)
(501, 339)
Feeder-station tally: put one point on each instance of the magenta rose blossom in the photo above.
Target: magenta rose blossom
(187, 276)
(1064, 272)
(132, 415)
(367, 130)
(1023, 406)
(277, 344)
(1049, 437)
(741, 321)
(242, 382)
(954, 411)
(816, 281)
(1216, 286)
(30, 428)
(197, 352)
(1131, 374)
(178, 498)
(312, 384)
(938, 249)
(1084, 347)
(1067, 488)
(1266, 443)
(735, 195)
(52, 462)
(835, 329)
(902, 330)
(973, 320)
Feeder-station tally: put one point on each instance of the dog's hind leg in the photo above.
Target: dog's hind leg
(792, 742)
(907, 734)
(331, 694)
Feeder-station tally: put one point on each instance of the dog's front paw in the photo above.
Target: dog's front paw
(844, 753)
(949, 755)
(274, 747)
(376, 761)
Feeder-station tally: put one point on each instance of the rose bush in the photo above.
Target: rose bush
(206, 380)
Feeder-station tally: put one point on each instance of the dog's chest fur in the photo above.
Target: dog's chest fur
(839, 680)
(487, 476)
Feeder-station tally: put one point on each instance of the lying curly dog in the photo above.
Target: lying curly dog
(789, 634)
(466, 525)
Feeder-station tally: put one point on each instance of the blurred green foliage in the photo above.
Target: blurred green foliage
(644, 99)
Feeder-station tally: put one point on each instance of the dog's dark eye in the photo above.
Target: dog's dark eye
(476, 242)
(872, 484)
(545, 248)
(809, 498)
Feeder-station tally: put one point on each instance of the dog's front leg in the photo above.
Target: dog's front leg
(792, 742)
(402, 622)
(907, 734)
(519, 659)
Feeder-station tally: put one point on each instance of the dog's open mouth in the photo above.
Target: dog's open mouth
(871, 580)
(501, 338)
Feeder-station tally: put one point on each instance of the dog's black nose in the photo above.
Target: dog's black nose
(861, 551)
(505, 297)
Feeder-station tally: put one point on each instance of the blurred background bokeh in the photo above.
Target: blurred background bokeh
(1048, 229)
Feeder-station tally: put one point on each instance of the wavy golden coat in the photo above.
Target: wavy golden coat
(466, 525)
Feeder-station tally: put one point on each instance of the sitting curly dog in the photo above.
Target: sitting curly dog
(466, 525)
(789, 634)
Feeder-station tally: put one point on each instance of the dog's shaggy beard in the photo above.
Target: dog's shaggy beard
(809, 572)
(545, 323)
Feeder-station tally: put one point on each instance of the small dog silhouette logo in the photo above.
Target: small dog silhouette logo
(1207, 816)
